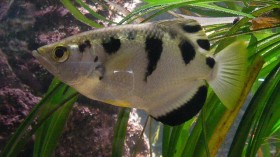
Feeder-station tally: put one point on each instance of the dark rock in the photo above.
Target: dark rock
(16, 101)
(89, 132)
(4, 7)
(15, 104)
(7, 77)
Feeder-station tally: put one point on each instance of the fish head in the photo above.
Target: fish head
(66, 61)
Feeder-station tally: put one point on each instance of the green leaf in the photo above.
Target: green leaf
(176, 131)
(242, 22)
(252, 47)
(266, 149)
(120, 132)
(183, 138)
(165, 5)
(48, 134)
(165, 140)
(253, 115)
(268, 112)
(217, 8)
(98, 16)
(78, 15)
(23, 133)
(276, 127)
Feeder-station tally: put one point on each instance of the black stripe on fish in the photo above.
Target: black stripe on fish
(210, 62)
(111, 45)
(204, 43)
(187, 51)
(191, 28)
(154, 49)
(187, 110)
(84, 45)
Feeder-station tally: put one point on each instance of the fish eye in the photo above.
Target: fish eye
(60, 54)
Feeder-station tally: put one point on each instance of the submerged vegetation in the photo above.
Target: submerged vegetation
(258, 131)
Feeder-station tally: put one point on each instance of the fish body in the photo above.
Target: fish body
(161, 67)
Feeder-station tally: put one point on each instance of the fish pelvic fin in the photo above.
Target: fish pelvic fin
(229, 73)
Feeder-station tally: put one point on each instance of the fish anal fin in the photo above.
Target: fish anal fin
(118, 103)
(187, 110)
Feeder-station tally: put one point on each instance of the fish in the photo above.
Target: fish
(164, 68)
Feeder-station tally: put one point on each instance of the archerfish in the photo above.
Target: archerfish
(161, 67)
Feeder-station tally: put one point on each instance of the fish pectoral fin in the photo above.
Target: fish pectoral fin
(188, 29)
(120, 61)
(119, 76)
(182, 111)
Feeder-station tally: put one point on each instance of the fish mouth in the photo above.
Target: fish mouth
(45, 62)
(35, 53)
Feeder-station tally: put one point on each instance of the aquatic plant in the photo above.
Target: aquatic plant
(203, 135)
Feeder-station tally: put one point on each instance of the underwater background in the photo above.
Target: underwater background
(90, 128)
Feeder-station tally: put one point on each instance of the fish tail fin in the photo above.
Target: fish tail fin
(228, 76)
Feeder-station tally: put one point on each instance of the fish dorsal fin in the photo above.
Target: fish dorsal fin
(187, 29)
(188, 25)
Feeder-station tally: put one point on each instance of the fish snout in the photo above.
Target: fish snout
(45, 61)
